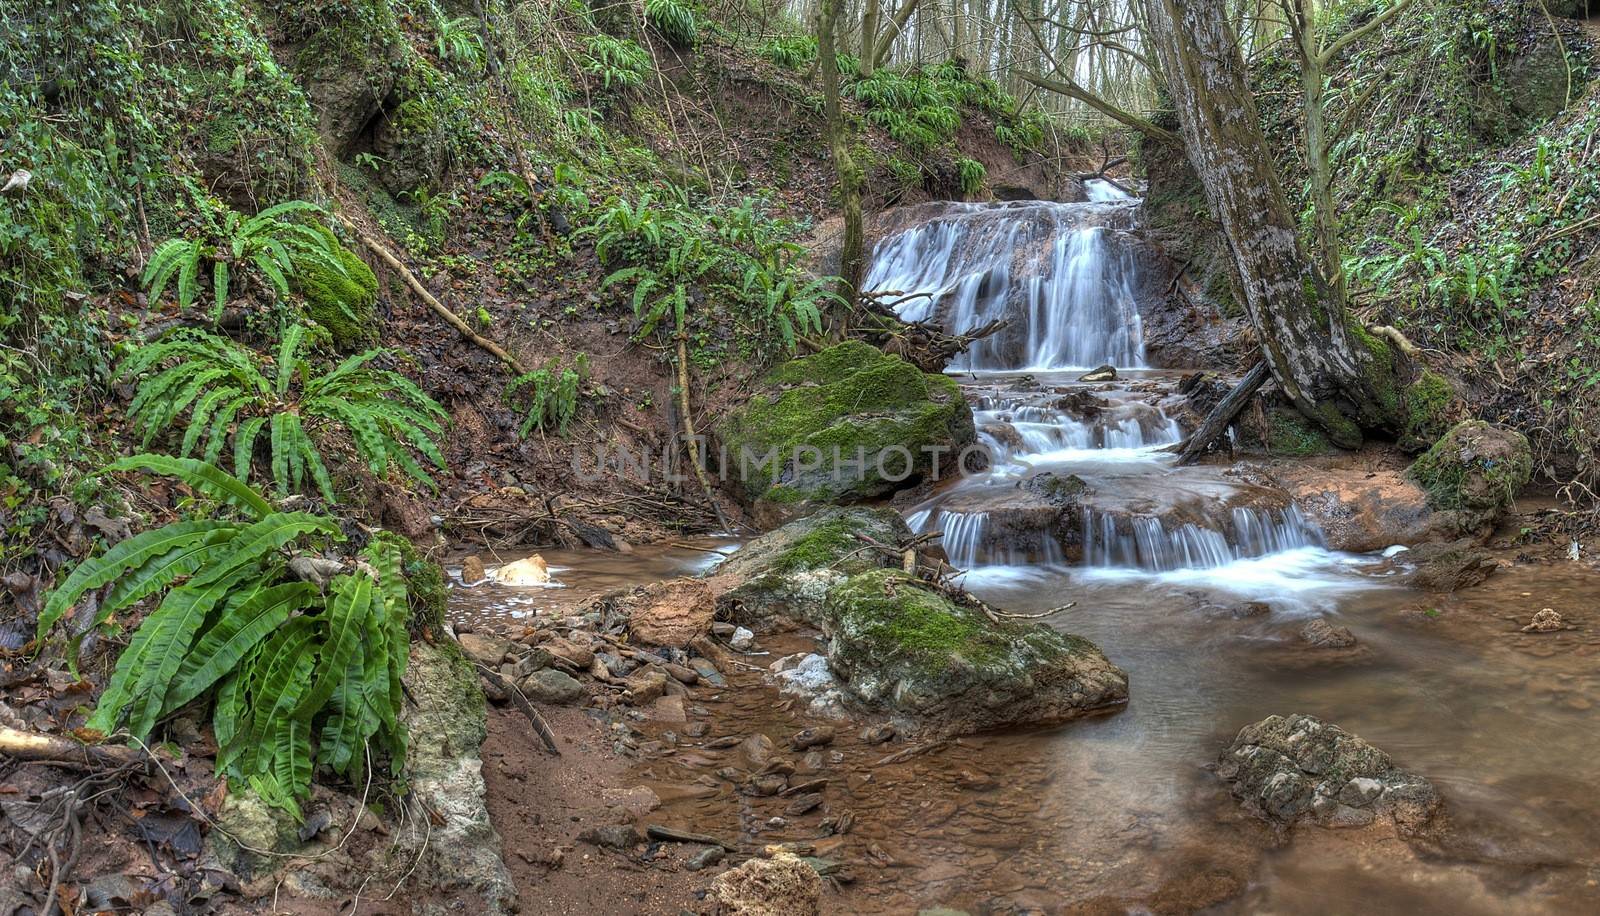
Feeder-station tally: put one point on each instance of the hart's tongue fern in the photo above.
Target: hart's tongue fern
(294, 674)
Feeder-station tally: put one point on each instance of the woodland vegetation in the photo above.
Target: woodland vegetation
(289, 286)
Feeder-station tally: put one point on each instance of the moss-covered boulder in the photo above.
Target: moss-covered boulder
(343, 304)
(899, 644)
(844, 425)
(1475, 469)
(784, 575)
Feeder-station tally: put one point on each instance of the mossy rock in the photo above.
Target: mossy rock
(845, 425)
(1475, 468)
(1291, 435)
(899, 644)
(785, 574)
(345, 305)
(1430, 406)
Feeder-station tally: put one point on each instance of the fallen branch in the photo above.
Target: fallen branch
(1055, 610)
(388, 257)
(674, 835)
(910, 752)
(690, 441)
(39, 747)
(521, 701)
(1217, 422)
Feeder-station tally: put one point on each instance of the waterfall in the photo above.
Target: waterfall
(1052, 269)
(969, 540)
(1145, 543)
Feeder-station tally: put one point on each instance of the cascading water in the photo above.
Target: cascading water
(1145, 543)
(1055, 271)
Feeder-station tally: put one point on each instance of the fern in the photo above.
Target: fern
(548, 397)
(619, 62)
(271, 243)
(673, 21)
(292, 673)
(458, 40)
(970, 173)
(224, 391)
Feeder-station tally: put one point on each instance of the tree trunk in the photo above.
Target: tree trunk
(869, 39)
(1335, 372)
(851, 256)
(1318, 165)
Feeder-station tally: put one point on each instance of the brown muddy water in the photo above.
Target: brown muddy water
(1120, 813)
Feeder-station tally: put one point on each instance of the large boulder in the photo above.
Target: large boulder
(1293, 769)
(900, 645)
(673, 613)
(1362, 510)
(844, 425)
(1475, 469)
(784, 575)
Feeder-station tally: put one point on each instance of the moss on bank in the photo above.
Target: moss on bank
(343, 304)
(1474, 467)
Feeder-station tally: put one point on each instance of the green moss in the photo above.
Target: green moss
(1290, 435)
(891, 616)
(849, 401)
(1474, 467)
(343, 304)
(827, 543)
(1429, 405)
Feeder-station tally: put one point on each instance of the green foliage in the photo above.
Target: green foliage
(792, 52)
(619, 62)
(226, 393)
(672, 254)
(342, 303)
(269, 242)
(672, 20)
(549, 396)
(457, 40)
(970, 173)
(294, 675)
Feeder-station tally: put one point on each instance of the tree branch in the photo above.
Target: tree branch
(1331, 51)
(1074, 91)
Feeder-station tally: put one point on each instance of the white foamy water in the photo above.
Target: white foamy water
(1301, 580)
(1047, 267)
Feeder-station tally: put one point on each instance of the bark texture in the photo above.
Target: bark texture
(852, 257)
(1334, 371)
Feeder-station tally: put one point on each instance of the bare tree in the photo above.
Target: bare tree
(852, 258)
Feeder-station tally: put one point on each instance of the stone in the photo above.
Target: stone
(756, 751)
(535, 659)
(578, 656)
(812, 737)
(903, 647)
(472, 571)
(706, 857)
(765, 785)
(552, 687)
(895, 423)
(1100, 374)
(878, 734)
(647, 686)
(803, 804)
(1449, 566)
(524, 572)
(742, 640)
(1324, 635)
(783, 885)
(670, 613)
(1475, 468)
(621, 837)
(1293, 769)
(1546, 621)
(484, 649)
(707, 670)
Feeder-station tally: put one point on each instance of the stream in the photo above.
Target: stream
(1194, 582)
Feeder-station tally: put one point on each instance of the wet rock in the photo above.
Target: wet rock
(894, 422)
(484, 649)
(742, 640)
(552, 687)
(527, 571)
(444, 769)
(803, 804)
(671, 613)
(705, 858)
(530, 661)
(696, 729)
(1323, 635)
(783, 885)
(1475, 468)
(707, 670)
(472, 571)
(1300, 769)
(813, 761)
(812, 737)
(647, 686)
(1546, 621)
(765, 785)
(1100, 374)
(578, 656)
(1447, 567)
(756, 751)
(680, 673)
(878, 734)
(621, 837)
(900, 645)
(786, 573)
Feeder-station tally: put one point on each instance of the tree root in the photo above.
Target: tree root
(37, 747)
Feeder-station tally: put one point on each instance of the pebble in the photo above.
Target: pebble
(612, 836)
(755, 751)
(763, 786)
(696, 729)
(812, 737)
(551, 686)
(706, 857)
(742, 640)
(803, 804)
(878, 734)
